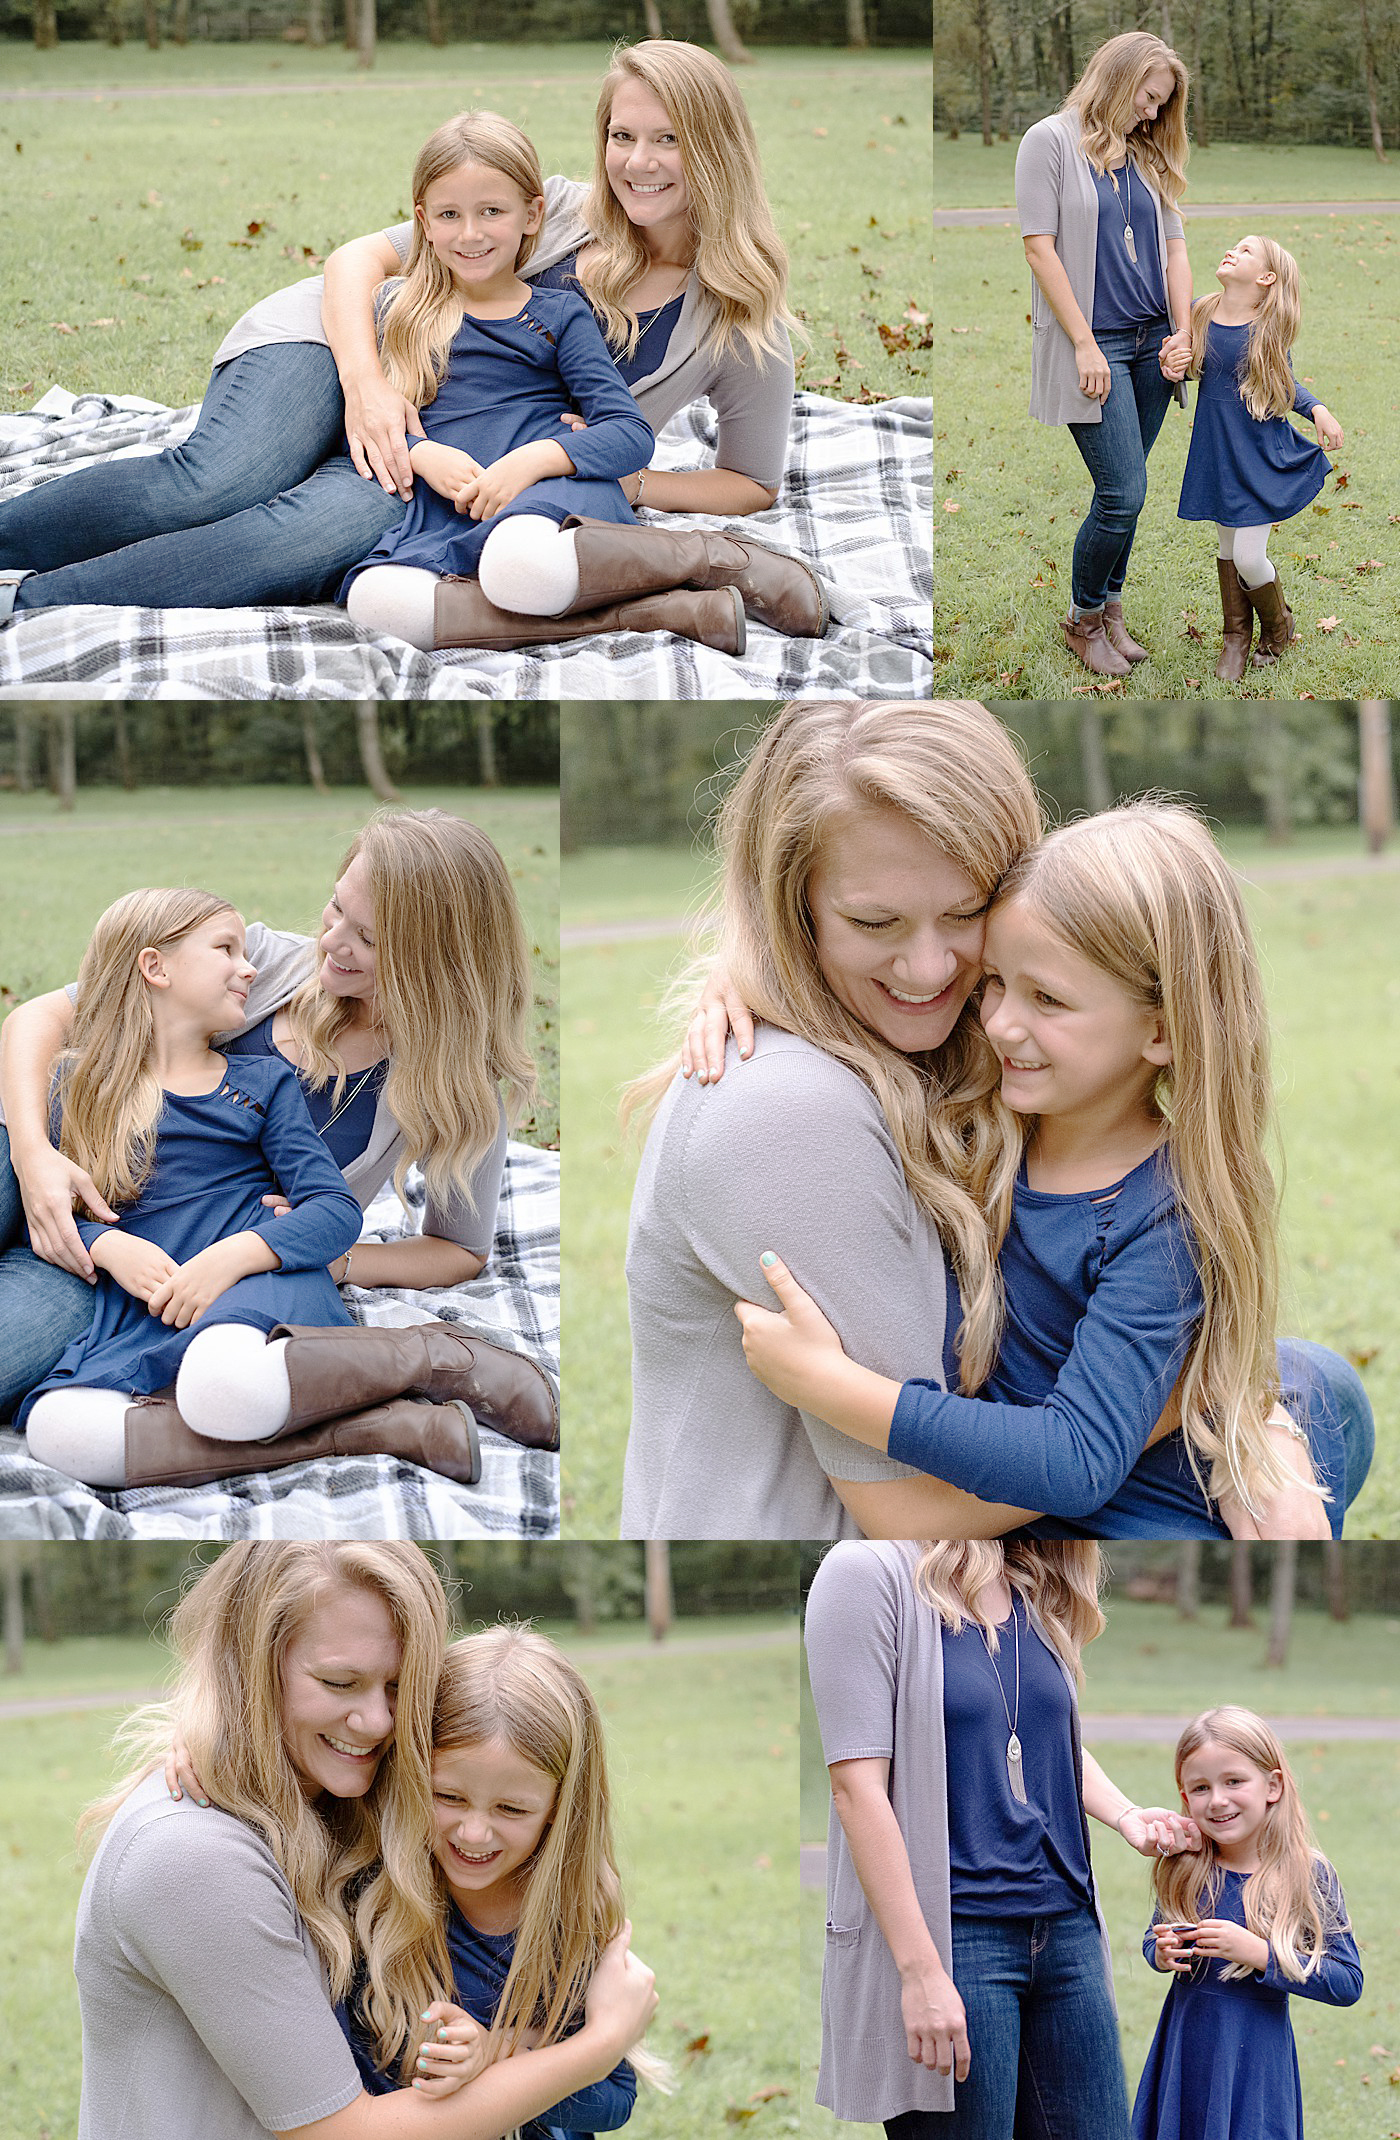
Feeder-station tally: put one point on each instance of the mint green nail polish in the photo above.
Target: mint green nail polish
(767, 1259)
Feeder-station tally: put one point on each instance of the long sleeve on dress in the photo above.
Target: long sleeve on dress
(619, 440)
(325, 1219)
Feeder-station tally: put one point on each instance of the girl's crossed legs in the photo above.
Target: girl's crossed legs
(528, 566)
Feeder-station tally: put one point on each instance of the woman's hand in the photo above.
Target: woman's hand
(1171, 1940)
(1175, 354)
(794, 1352)
(1294, 1511)
(454, 2051)
(50, 1185)
(183, 1297)
(180, 1773)
(1227, 1942)
(935, 2025)
(139, 1267)
(501, 483)
(720, 1012)
(1329, 431)
(1095, 378)
(378, 424)
(1154, 1832)
(447, 470)
(621, 1996)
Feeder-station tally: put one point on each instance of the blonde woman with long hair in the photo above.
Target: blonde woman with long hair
(966, 1958)
(1247, 466)
(209, 1937)
(404, 1020)
(1254, 1917)
(1097, 186)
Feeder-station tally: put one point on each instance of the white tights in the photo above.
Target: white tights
(1249, 547)
(527, 565)
(232, 1387)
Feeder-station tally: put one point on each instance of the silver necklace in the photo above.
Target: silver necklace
(1127, 225)
(645, 331)
(1014, 1774)
(347, 1098)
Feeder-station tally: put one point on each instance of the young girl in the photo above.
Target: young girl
(1138, 1234)
(188, 1146)
(1247, 466)
(493, 363)
(527, 1878)
(1253, 1916)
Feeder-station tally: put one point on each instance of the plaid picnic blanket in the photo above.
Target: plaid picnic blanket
(514, 1303)
(856, 503)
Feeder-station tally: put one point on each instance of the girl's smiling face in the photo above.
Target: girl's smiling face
(1151, 94)
(898, 927)
(1071, 1040)
(474, 219)
(643, 158)
(340, 1684)
(491, 1808)
(1244, 268)
(347, 947)
(1229, 1798)
(206, 971)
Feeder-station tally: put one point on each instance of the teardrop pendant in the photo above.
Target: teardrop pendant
(1014, 1774)
(1128, 241)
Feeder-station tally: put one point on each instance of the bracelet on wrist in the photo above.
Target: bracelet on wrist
(345, 1274)
(1118, 1824)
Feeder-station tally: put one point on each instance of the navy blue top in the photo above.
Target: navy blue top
(1126, 294)
(217, 1155)
(1240, 471)
(507, 384)
(480, 1965)
(654, 327)
(1008, 1859)
(349, 1134)
(1223, 2065)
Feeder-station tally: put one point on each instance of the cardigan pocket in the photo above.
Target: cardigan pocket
(842, 1935)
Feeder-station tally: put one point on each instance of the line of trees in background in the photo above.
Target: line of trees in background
(653, 774)
(66, 747)
(1261, 70)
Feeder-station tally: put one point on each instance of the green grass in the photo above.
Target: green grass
(273, 851)
(612, 884)
(704, 1760)
(967, 175)
(1011, 492)
(109, 192)
(1328, 948)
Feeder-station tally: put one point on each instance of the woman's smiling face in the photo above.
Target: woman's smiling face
(1152, 93)
(347, 947)
(898, 927)
(643, 158)
(340, 1684)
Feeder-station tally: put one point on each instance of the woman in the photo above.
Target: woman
(208, 1939)
(404, 1021)
(967, 1963)
(860, 847)
(1097, 185)
(679, 257)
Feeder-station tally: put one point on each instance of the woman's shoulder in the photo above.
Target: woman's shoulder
(789, 1093)
(156, 1844)
(868, 1568)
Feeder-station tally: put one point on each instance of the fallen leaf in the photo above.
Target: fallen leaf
(950, 505)
(1342, 480)
(1372, 564)
(1327, 624)
(153, 199)
(735, 2116)
(698, 2046)
(1322, 508)
(767, 2095)
(189, 243)
(62, 327)
(820, 132)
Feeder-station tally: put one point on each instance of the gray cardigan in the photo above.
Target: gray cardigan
(1055, 197)
(875, 1659)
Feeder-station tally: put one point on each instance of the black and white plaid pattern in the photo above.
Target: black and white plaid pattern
(856, 503)
(514, 1303)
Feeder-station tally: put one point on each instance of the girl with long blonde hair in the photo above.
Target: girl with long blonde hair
(209, 1937)
(1247, 466)
(1136, 1215)
(534, 512)
(1256, 1915)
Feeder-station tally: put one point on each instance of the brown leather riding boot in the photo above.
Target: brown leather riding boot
(1276, 627)
(162, 1451)
(1118, 634)
(462, 616)
(1089, 642)
(776, 590)
(335, 1372)
(1238, 613)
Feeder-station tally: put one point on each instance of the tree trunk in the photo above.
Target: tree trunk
(1281, 1602)
(725, 35)
(369, 31)
(1165, 32)
(984, 71)
(1334, 1572)
(315, 23)
(367, 727)
(1097, 793)
(180, 23)
(660, 1603)
(121, 737)
(116, 27)
(45, 25)
(316, 772)
(152, 26)
(652, 14)
(857, 32)
(1241, 1584)
(1201, 123)
(1188, 1579)
(1272, 775)
(486, 748)
(436, 34)
(352, 24)
(1377, 786)
(1368, 52)
(13, 1564)
(24, 777)
(64, 756)
(581, 1585)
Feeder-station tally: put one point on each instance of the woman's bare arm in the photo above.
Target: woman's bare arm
(378, 419)
(700, 490)
(31, 1037)
(926, 1508)
(421, 1259)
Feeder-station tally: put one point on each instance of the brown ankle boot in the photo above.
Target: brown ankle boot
(162, 1451)
(1238, 613)
(462, 616)
(1118, 634)
(1089, 643)
(334, 1372)
(1276, 628)
(778, 591)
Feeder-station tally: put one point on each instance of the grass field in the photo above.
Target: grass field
(967, 175)
(274, 851)
(1328, 946)
(704, 1761)
(1012, 492)
(149, 224)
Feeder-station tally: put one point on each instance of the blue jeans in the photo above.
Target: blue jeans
(1115, 451)
(1045, 2058)
(260, 504)
(42, 1308)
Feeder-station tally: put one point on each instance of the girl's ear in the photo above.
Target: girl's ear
(536, 215)
(1158, 1049)
(1274, 1791)
(1266, 278)
(151, 968)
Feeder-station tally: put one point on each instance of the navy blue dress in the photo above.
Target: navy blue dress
(1240, 471)
(217, 1156)
(508, 382)
(1223, 2064)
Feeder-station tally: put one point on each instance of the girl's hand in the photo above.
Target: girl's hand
(180, 1775)
(1154, 1832)
(621, 1996)
(1329, 431)
(183, 1297)
(505, 479)
(1170, 1943)
(794, 1352)
(1228, 1942)
(1095, 378)
(1175, 354)
(935, 2025)
(139, 1267)
(454, 2051)
(50, 1185)
(719, 1013)
(1294, 1511)
(445, 469)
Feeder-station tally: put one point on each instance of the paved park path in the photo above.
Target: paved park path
(110, 93)
(962, 218)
